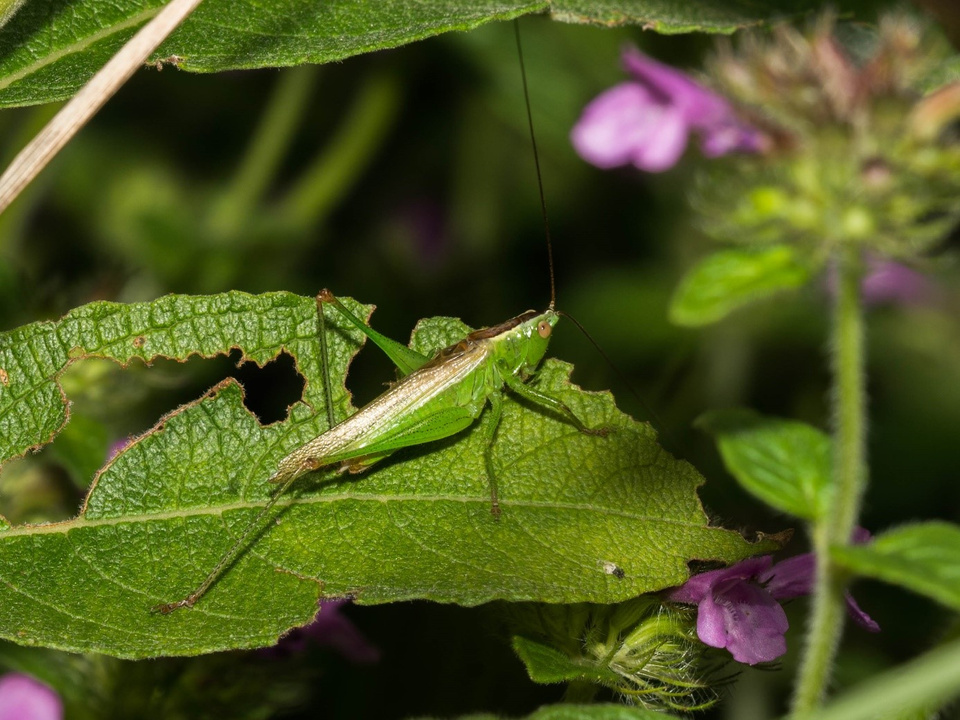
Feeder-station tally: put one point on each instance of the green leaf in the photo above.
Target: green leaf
(669, 16)
(52, 47)
(730, 279)
(597, 711)
(924, 558)
(783, 462)
(547, 665)
(163, 512)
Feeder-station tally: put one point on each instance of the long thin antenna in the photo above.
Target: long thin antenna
(651, 413)
(536, 161)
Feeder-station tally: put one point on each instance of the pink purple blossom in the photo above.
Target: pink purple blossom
(891, 282)
(329, 629)
(647, 121)
(738, 608)
(23, 698)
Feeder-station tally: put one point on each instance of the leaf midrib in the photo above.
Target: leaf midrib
(81, 521)
(78, 46)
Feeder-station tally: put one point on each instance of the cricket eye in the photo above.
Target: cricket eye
(544, 329)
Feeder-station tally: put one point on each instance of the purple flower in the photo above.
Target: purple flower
(890, 282)
(738, 608)
(23, 698)
(117, 446)
(647, 121)
(331, 629)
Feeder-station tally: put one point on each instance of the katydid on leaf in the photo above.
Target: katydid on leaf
(436, 398)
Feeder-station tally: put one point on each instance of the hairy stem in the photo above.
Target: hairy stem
(849, 481)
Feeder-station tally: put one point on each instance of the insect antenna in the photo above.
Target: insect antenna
(650, 412)
(536, 162)
(546, 225)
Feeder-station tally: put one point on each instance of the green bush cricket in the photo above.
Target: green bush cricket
(436, 398)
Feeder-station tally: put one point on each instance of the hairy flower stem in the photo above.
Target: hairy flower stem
(849, 481)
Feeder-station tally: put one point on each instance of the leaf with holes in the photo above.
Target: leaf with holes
(162, 512)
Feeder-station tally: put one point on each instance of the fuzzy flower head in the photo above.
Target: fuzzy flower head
(738, 608)
(862, 150)
(648, 120)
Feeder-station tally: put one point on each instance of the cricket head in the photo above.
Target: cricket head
(520, 343)
(536, 332)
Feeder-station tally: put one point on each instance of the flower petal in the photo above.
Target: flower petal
(859, 616)
(753, 622)
(791, 578)
(729, 136)
(663, 144)
(628, 124)
(701, 585)
(700, 106)
(23, 698)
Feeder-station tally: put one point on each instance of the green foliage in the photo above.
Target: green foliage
(924, 557)
(57, 45)
(547, 665)
(599, 711)
(162, 512)
(643, 650)
(911, 691)
(729, 279)
(785, 463)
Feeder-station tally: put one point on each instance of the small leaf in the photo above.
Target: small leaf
(783, 462)
(547, 665)
(730, 279)
(924, 558)
(602, 711)
(164, 510)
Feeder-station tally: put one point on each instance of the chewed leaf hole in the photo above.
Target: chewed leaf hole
(269, 391)
(110, 403)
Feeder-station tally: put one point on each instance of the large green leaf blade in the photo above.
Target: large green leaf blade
(50, 48)
(669, 16)
(584, 518)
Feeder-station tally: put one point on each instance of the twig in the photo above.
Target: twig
(76, 113)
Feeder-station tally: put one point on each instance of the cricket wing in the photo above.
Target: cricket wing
(434, 402)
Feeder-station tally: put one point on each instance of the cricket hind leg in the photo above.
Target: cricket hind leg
(406, 359)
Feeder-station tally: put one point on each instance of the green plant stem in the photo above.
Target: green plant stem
(917, 687)
(849, 477)
(580, 691)
(332, 173)
(265, 151)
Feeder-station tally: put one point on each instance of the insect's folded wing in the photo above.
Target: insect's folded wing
(435, 402)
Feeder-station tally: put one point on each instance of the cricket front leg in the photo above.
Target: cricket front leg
(553, 404)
